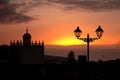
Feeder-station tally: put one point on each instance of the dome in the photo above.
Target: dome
(27, 36)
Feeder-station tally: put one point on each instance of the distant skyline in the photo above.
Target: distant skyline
(97, 52)
(55, 20)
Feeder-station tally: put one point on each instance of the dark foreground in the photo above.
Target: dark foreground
(68, 71)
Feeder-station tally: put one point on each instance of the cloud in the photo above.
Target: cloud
(15, 11)
(90, 5)
(9, 13)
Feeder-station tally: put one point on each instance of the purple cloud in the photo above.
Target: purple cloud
(91, 5)
(9, 13)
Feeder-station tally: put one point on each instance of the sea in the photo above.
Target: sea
(96, 52)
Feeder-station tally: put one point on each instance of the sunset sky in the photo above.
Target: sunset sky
(55, 20)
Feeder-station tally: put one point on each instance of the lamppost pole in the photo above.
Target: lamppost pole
(88, 41)
(99, 32)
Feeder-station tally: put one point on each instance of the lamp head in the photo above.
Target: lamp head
(77, 32)
(99, 32)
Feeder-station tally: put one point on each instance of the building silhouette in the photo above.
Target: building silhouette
(82, 59)
(26, 51)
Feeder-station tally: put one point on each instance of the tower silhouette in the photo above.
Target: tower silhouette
(27, 38)
(27, 51)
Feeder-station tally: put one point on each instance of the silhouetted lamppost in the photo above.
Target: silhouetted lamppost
(99, 31)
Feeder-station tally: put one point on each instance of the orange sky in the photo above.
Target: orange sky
(54, 22)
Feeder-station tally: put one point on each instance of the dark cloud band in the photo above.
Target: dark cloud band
(16, 12)
(92, 5)
(88, 5)
(9, 13)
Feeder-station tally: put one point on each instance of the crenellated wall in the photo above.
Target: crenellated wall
(20, 43)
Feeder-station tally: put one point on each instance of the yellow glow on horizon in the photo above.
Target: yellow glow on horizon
(67, 42)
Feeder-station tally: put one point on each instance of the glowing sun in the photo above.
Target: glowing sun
(67, 42)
